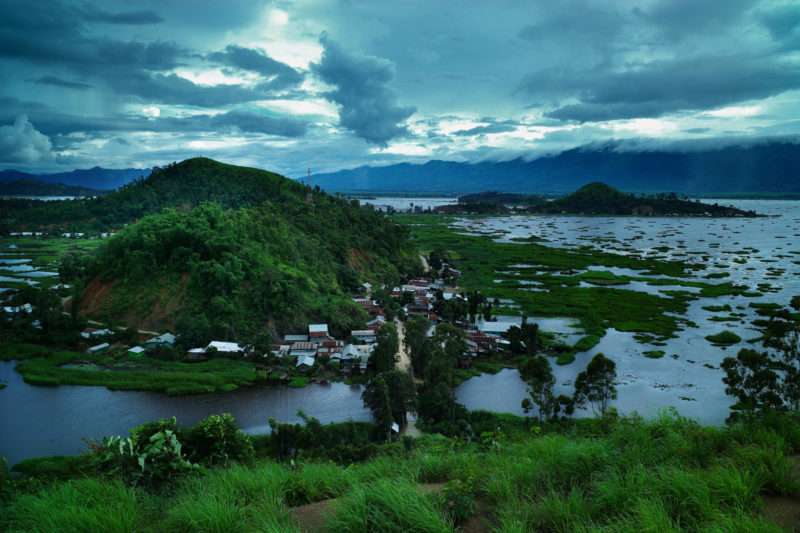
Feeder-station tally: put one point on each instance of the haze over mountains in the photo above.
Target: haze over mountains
(768, 168)
(104, 179)
(771, 168)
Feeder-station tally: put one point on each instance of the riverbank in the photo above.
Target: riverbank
(45, 366)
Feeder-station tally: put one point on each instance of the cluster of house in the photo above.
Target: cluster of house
(75, 235)
(482, 337)
(167, 339)
(305, 349)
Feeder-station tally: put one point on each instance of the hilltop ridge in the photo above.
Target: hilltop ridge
(184, 184)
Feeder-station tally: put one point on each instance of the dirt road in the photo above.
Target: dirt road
(404, 363)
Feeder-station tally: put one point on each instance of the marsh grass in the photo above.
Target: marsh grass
(45, 366)
(560, 272)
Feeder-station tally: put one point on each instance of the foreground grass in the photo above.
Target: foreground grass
(45, 366)
(606, 475)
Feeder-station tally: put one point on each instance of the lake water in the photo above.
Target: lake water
(37, 421)
(752, 251)
(404, 204)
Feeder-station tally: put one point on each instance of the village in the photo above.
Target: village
(314, 354)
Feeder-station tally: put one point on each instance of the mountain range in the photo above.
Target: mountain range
(759, 169)
(771, 168)
(103, 179)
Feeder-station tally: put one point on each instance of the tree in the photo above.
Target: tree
(538, 374)
(387, 346)
(750, 377)
(769, 379)
(438, 400)
(402, 394)
(452, 340)
(376, 398)
(418, 345)
(474, 300)
(596, 384)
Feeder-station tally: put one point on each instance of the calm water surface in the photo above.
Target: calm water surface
(751, 251)
(37, 421)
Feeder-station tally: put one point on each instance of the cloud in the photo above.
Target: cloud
(136, 18)
(282, 75)
(21, 143)
(173, 89)
(662, 87)
(61, 125)
(368, 106)
(782, 22)
(491, 128)
(52, 80)
(681, 19)
(254, 122)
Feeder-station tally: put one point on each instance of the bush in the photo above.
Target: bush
(217, 440)
(151, 463)
(724, 337)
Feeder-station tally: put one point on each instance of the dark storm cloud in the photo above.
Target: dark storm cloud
(368, 106)
(52, 80)
(662, 87)
(678, 19)
(480, 130)
(57, 124)
(135, 18)
(260, 63)
(171, 89)
(257, 123)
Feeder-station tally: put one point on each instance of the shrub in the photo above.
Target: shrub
(150, 463)
(724, 337)
(217, 440)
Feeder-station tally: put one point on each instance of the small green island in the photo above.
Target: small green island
(592, 199)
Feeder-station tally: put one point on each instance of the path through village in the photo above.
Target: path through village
(404, 364)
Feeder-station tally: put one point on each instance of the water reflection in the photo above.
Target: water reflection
(39, 421)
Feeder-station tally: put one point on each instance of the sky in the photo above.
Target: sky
(328, 85)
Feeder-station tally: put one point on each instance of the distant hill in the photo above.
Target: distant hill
(768, 168)
(29, 187)
(600, 199)
(593, 199)
(103, 179)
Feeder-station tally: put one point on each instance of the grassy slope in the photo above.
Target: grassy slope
(605, 475)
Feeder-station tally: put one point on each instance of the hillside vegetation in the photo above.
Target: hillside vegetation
(255, 259)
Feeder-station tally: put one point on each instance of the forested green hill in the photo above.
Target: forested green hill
(182, 184)
(257, 259)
